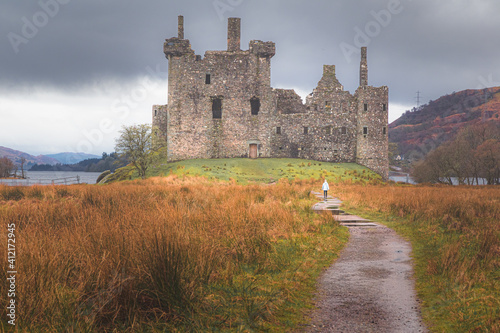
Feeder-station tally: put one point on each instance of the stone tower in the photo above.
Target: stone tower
(222, 105)
(373, 112)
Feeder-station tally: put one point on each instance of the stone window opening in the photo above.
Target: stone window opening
(306, 130)
(255, 106)
(365, 131)
(217, 108)
(208, 79)
(343, 130)
(278, 130)
(384, 130)
(366, 107)
(156, 111)
(384, 107)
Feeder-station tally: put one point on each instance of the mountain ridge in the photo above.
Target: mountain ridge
(51, 159)
(16, 155)
(71, 158)
(422, 130)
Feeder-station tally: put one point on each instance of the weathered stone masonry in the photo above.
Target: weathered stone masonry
(223, 106)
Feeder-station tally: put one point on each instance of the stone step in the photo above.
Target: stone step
(350, 218)
(333, 205)
(350, 224)
(333, 211)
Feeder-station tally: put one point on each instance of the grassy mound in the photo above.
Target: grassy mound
(268, 170)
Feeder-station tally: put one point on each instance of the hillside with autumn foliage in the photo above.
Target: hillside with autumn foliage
(422, 130)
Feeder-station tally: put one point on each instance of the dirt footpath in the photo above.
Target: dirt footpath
(369, 288)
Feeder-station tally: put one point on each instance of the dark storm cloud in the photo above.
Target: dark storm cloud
(432, 46)
(82, 40)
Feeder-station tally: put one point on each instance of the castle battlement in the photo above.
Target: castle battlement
(223, 106)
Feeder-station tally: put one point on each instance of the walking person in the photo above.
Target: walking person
(325, 189)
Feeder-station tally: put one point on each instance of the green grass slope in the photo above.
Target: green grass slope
(266, 170)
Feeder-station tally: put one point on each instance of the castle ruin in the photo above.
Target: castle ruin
(223, 106)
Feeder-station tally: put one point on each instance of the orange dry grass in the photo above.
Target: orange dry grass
(95, 256)
(455, 233)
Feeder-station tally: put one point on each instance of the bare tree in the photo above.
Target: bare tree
(23, 161)
(489, 155)
(140, 146)
(6, 167)
(473, 154)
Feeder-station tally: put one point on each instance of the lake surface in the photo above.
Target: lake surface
(409, 180)
(404, 179)
(46, 178)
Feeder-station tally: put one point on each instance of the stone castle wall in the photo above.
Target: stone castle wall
(223, 105)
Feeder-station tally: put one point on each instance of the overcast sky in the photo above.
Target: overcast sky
(73, 72)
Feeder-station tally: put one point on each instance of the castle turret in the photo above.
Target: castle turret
(372, 117)
(178, 46)
(363, 69)
(233, 34)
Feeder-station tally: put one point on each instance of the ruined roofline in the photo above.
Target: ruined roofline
(371, 87)
(178, 46)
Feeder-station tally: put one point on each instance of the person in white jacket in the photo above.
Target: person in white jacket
(325, 189)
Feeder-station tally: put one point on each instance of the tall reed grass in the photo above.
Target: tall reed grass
(163, 253)
(455, 232)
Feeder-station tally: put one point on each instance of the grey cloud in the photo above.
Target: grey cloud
(433, 46)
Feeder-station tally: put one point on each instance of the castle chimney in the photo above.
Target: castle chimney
(363, 68)
(233, 34)
(180, 27)
(328, 70)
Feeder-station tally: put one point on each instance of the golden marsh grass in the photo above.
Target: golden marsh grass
(164, 253)
(455, 233)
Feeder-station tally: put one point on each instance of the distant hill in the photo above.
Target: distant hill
(16, 155)
(72, 158)
(422, 130)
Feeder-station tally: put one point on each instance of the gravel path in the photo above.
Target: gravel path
(369, 288)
